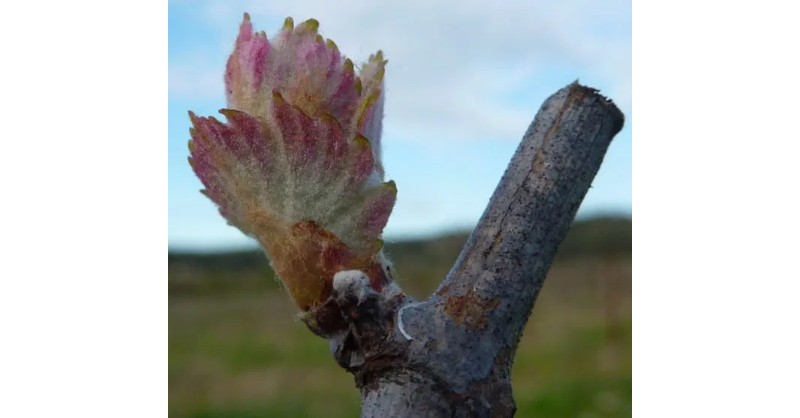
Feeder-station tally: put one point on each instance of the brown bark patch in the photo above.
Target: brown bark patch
(470, 310)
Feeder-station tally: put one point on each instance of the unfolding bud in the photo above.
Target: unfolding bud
(297, 164)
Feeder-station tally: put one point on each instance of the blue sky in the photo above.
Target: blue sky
(464, 80)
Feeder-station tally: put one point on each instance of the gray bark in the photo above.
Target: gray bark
(451, 354)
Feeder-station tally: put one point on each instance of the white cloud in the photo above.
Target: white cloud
(452, 64)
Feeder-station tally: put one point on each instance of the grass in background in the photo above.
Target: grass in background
(236, 349)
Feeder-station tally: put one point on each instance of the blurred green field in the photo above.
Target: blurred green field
(237, 350)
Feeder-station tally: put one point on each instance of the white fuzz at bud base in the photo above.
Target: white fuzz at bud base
(351, 282)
